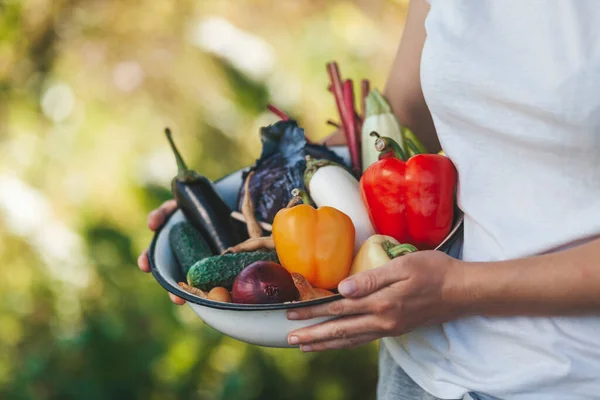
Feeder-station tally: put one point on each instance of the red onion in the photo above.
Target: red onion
(264, 282)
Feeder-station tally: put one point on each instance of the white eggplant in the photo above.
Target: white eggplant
(379, 118)
(330, 184)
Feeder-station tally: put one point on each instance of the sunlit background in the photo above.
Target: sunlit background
(86, 88)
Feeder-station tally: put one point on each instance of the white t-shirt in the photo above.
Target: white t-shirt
(514, 90)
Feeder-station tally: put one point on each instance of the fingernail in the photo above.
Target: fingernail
(346, 288)
(293, 315)
(306, 348)
(293, 340)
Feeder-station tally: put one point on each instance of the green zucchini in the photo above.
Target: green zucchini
(188, 245)
(221, 270)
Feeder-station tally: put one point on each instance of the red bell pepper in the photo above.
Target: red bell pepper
(412, 201)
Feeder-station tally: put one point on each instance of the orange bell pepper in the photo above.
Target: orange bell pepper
(317, 243)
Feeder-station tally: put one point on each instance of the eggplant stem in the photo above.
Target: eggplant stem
(181, 167)
(254, 229)
(265, 242)
(302, 195)
(294, 201)
(313, 165)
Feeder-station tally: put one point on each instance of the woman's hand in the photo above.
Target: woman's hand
(155, 220)
(414, 290)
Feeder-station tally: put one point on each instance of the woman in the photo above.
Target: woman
(511, 90)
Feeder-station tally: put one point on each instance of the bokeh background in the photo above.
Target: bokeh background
(86, 88)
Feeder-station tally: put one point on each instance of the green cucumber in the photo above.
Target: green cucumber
(221, 270)
(188, 245)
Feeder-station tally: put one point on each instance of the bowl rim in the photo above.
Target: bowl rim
(217, 304)
(452, 236)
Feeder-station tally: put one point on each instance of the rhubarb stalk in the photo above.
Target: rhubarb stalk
(278, 112)
(365, 88)
(353, 121)
(284, 117)
(346, 116)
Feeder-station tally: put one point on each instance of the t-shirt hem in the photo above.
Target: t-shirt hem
(421, 378)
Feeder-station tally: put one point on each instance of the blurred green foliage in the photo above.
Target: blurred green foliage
(86, 88)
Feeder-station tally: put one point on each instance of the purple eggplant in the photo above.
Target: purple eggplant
(202, 206)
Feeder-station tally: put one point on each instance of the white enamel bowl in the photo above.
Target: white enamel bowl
(262, 324)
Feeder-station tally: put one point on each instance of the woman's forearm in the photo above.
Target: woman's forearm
(562, 283)
(403, 88)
